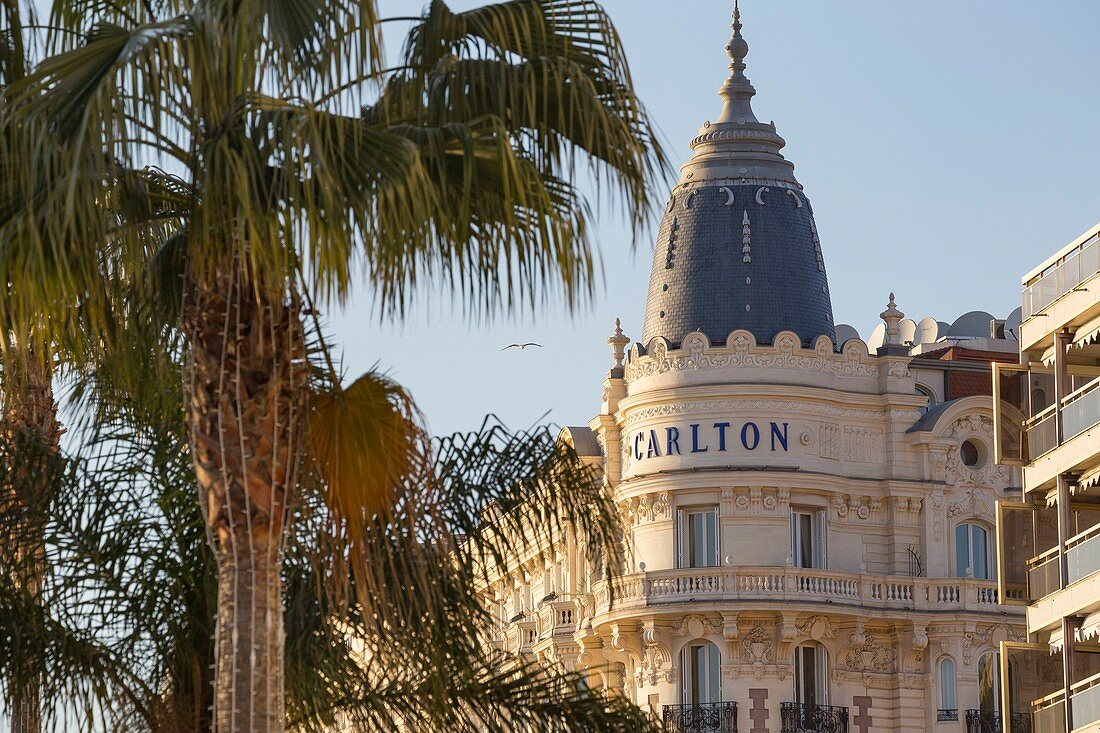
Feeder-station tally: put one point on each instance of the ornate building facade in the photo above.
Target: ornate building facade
(808, 530)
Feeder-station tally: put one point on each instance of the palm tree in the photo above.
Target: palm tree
(134, 549)
(286, 178)
(30, 432)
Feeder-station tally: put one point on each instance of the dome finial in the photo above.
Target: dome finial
(737, 90)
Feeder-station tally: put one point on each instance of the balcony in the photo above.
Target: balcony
(801, 718)
(1080, 411)
(1061, 277)
(709, 717)
(802, 585)
(947, 715)
(1030, 438)
(557, 618)
(983, 722)
(1084, 702)
(1057, 295)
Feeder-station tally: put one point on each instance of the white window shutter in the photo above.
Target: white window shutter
(682, 530)
(820, 557)
(794, 538)
(712, 516)
(822, 676)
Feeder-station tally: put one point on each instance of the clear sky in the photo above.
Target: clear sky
(948, 147)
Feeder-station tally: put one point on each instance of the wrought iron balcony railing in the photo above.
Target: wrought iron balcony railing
(945, 714)
(709, 717)
(802, 718)
(982, 722)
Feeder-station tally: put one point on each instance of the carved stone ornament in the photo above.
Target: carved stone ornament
(989, 636)
(900, 370)
(988, 473)
(741, 350)
(937, 514)
(817, 628)
(870, 656)
(973, 502)
(758, 647)
(654, 507)
(851, 508)
(696, 626)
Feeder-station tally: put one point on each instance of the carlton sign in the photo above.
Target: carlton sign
(717, 437)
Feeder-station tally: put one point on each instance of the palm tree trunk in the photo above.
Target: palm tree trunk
(31, 436)
(245, 395)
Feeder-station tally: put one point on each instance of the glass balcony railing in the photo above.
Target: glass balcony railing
(1051, 717)
(1042, 434)
(1062, 277)
(1084, 702)
(1043, 574)
(1083, 554)
(1081, 410)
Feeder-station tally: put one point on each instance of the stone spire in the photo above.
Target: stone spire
(737, 92)
(892, 316)
(618, 342)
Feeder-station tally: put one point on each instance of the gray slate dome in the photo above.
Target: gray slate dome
(738, 246)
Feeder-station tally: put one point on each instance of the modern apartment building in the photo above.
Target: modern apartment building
(807, 517)
(1047, 417)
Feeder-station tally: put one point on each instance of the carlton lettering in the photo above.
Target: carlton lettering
(720, 437)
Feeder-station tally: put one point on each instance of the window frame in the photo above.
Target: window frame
(818, 542)
(973, 526)
(685, 539)
(948, 694)
(820, 666)
(713, 667)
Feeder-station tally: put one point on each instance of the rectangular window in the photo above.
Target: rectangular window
(808, 538)
(698, 537)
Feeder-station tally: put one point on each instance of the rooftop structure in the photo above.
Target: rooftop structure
(738, 247)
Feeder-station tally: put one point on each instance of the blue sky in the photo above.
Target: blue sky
(947, 146)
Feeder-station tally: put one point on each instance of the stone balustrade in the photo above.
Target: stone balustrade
(557, 618)
(802, 585)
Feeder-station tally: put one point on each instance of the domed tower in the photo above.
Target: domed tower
(738, 247)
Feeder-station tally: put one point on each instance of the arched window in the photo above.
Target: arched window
(1039, 400)
(949, 707)
(702, 665)
(922, 391)
(972, 551)
(811, 675)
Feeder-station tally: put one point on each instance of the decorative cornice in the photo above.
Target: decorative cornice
(741, 350)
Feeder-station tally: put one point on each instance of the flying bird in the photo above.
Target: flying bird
(521, 347)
